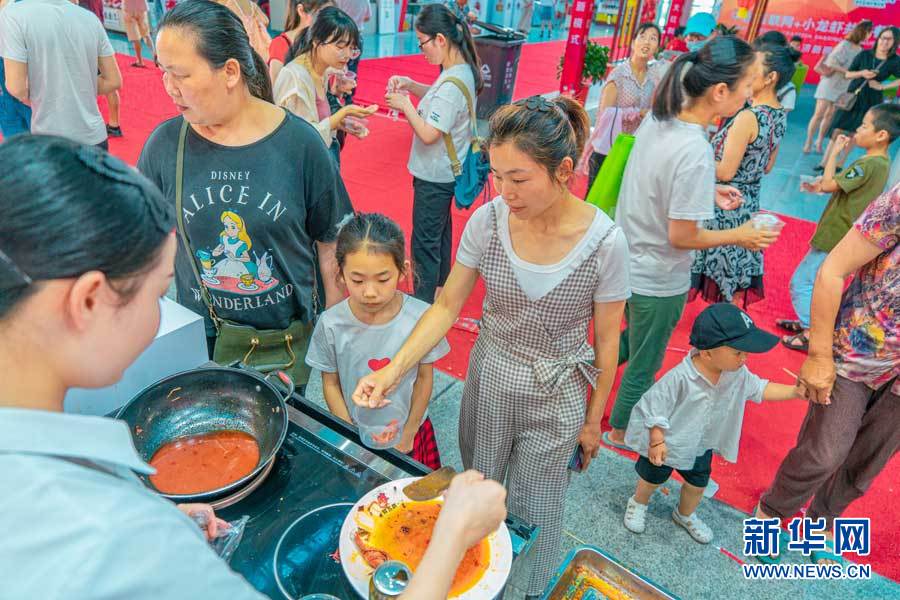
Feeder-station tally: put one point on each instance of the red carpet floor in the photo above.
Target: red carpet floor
(375, 173)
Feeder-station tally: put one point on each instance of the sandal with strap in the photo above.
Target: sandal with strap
(771, 559)
(819, 555)
(797, 342)
(791, 325)
(608, 441)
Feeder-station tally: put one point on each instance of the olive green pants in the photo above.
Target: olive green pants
(650, 323)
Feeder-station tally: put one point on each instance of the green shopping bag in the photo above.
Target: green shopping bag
(604, 194)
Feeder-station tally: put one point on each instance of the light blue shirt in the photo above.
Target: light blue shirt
(72, 531)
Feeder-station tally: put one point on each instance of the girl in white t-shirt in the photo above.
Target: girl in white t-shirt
(362, 334)
(445, 40)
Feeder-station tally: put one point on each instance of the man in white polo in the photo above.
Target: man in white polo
(52, 51)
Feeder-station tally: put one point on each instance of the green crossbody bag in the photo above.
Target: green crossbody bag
(262, 349)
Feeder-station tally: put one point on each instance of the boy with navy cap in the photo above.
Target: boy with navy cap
(696, 409)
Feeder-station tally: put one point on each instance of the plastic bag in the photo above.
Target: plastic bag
(228, 540)
(604, 194)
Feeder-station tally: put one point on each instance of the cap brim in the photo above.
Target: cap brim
(755, 341)
(699, 30)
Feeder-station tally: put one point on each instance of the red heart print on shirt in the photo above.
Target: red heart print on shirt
(378, 363)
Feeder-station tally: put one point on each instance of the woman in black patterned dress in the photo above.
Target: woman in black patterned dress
(745, 150)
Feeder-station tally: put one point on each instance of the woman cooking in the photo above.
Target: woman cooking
(867, 72)
(626, 97)
(550, 263)
(77, 522)
(269, 172)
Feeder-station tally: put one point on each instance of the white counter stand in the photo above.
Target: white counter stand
(180, 345)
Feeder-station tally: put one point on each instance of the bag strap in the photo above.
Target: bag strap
(182, 231)
(455, 165)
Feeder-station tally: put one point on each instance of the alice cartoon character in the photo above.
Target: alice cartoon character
(235, 244)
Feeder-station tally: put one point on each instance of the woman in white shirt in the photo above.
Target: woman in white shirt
(445, 40)
(668, 190)
(550, 264)
(301, 87)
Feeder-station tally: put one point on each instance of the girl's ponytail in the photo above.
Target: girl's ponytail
(721, 60)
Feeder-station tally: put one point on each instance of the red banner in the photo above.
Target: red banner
(648, 11)
(676, 14)
(821, 23)
(573, 59)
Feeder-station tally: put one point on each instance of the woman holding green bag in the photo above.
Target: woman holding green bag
(668, 190)
(626, 97)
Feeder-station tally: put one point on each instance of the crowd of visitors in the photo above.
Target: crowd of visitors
(239, 199)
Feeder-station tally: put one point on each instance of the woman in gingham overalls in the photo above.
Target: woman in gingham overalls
(550, 264)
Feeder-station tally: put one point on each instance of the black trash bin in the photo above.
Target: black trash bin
(499, 49)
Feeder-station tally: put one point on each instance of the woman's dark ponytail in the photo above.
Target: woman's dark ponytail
(778, 59)
(219, 37)
(437, 19)
(259, 83)
(466, 45)
(721, 60)
(669, 98)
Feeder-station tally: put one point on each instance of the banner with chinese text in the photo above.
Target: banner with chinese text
(821, 23)
(576, 45)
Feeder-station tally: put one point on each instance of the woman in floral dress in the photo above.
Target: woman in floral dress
(745, 150)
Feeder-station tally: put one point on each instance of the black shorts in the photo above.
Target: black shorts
(698, 476)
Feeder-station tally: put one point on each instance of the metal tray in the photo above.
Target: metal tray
(594, 559)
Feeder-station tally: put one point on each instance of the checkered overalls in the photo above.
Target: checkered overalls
(524, 399)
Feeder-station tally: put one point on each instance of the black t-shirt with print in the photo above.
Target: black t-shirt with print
(252, 215)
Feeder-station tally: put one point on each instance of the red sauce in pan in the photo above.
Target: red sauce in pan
(205, 462)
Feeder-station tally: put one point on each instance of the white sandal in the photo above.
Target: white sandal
(635, 516)
(699, 530)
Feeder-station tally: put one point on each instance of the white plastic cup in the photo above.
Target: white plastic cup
(381, 428)
(767, 221)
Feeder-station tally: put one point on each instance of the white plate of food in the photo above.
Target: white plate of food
(385, 524)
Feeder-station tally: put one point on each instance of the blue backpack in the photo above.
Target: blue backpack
(471, 175)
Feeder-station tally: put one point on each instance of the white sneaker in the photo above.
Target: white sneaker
(699, 530)
(635, 516)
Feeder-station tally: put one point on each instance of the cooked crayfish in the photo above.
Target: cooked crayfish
(372, 556)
